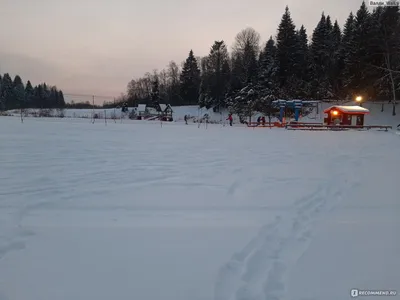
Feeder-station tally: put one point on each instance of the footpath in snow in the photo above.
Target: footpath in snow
(140, 211)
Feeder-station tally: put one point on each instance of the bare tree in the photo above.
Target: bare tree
(248, 37)
(173, 73)
(246, 50)
(163, 84)
(132, 89)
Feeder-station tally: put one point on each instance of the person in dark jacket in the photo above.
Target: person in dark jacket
(230, 119)
(186, 119)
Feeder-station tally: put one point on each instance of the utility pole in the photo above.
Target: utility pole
(115, 115)
(93, 109)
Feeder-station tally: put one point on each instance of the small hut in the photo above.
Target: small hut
(165, 111)
(345, 115)
(141, 111)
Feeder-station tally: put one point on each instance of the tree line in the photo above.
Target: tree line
(14, 94)
(362, 58)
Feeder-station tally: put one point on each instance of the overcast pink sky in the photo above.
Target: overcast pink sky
(97, 46)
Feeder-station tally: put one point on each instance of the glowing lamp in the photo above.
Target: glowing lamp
(335, 112)
(358, 98)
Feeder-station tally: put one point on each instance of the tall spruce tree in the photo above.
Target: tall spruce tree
(358, 58)
(40, 96)
(336, 37)
(28, 93)
(268, 64)
(218, 76)
(302, 52)
(236, 81)
(303, 70)
(2, 104)
(344, 53)
(321, 59)
(268, 82)
(335, 69)
(61, 98)
(19, 92)
(53, 97)
(7, 92)
(286, 47)
(190, 80)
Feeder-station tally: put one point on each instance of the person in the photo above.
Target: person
(230, 119)
(186, 118)
(263, 120)
(336, 121)
(258, 120)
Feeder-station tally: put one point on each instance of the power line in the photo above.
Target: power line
(86, 95)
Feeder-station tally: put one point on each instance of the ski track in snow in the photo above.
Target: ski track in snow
(258, 271)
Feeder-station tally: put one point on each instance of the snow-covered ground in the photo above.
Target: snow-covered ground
(139, 211)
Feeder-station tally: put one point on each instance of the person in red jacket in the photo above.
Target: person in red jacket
(230, 119)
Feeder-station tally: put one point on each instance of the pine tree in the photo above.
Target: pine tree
(46, 96)
(236, 82)
(302, 53)
(302, 76)
(336, 37)
(321, 58)
(258, 94)
(2, 104)
(286, 47)
(53, 97)
(358, 80)
(344, 53)
(190, 80)
(7, 92)
(218, 75)
(335, 69)
(268, 64)
(155, 93)
(28, 93)
(329, 26)
(250, 64)
(61, 99)
(39, 96)
(19, 92)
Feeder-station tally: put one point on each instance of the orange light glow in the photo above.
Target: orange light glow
(335, 112)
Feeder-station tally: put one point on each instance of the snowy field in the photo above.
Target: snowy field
(139, 211)
(376, 116)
